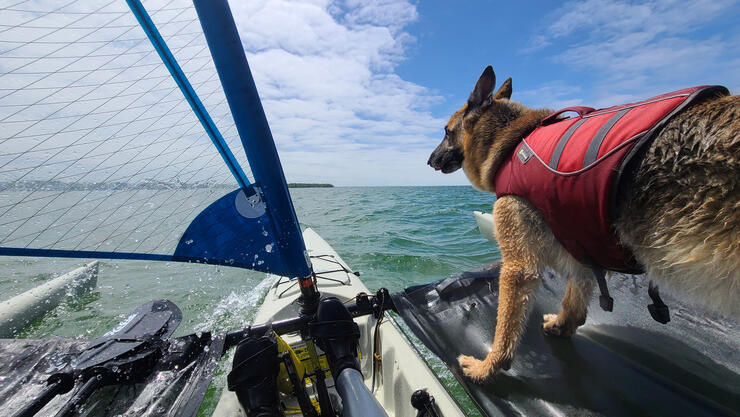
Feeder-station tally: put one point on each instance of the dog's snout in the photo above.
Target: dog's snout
(434, 161)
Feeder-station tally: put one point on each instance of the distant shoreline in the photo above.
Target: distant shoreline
(53, 185)
(308, 185)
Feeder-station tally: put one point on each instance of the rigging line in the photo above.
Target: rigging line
(170, 90)
(89, 54)
(185, 134)
(70, 124)
(122, 54)
(101, 126)
(165, 216)
(23, 25)
(122, 165)
(187, 89)
(162, 9)
(93, 113)
(55, 176)
(67, 43)
(158, 207)
(37, 17)
(162, 169)
(136, 212)
(292, 284)
(189, 215)
(108, 167)
(101, 162)
(71, 102)
(60, 88)
(127, 203)
(77, 160)
(113, 152)
(196, 208)
(106, 223)
(74, 62)
(148, 221)
(93, 99)
(81, 71)
(98, 189)
(62, 27)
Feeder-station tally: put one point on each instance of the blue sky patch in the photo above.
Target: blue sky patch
(358, 92)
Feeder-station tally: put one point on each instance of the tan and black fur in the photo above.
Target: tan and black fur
(678, 212)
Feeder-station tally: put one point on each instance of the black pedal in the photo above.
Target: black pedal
(336, 334)
(253, 376)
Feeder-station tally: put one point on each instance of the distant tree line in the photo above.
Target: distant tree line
(53, 185)
(308, 185)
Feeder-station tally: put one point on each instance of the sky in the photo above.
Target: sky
(358, 92)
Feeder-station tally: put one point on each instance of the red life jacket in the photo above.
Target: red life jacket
(570, 170)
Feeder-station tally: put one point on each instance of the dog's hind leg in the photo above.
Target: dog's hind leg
(518, 228)
(575, 306)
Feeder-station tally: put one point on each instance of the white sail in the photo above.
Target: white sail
(109, 113)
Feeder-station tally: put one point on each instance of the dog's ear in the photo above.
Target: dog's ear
(504, 91)
(483, 89)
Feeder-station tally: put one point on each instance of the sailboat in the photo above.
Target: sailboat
(119, 115)
(109, 106)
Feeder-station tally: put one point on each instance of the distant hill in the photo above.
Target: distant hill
(308, 185)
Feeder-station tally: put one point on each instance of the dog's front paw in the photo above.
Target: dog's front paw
(554, 325)
(477, 370)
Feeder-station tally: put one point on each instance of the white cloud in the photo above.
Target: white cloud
(553, 95)
(607, 18)
(326, 74)
(634, 50)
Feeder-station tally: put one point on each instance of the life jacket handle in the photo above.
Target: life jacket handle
(581, 110)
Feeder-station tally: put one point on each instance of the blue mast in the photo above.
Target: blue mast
(187, 90)
(246, 108)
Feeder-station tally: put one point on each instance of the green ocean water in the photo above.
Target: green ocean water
(395, 236)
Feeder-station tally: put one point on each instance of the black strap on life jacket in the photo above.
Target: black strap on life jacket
(658, 309)
(605, 300)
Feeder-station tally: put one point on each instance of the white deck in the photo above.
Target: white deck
(403, 370)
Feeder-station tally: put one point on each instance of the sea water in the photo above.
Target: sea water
(394, 236)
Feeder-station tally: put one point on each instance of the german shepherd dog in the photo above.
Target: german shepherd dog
(680, 214)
